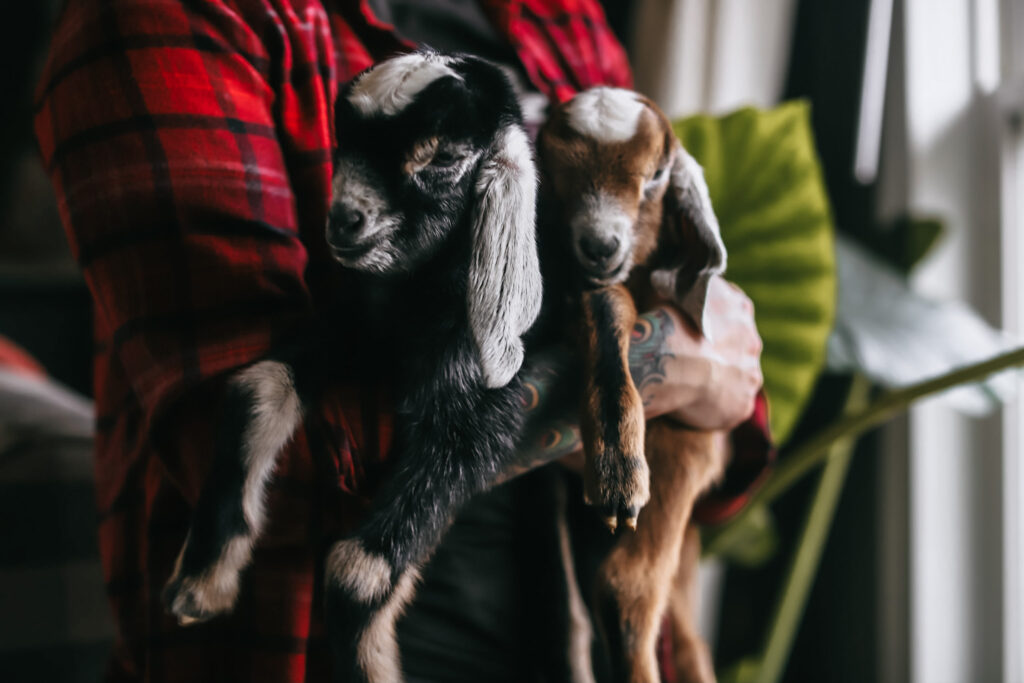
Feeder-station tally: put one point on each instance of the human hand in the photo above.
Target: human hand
(707, 384)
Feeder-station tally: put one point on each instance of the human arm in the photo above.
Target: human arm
(708, 384)
(192, 179)
(189, 147)
(704, 383)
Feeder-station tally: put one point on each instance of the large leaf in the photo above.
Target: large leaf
(767, 190)
(896, 337)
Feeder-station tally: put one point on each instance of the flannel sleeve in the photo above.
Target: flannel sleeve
(175, 135)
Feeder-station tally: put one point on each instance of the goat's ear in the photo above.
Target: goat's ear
(504, 288)
(691, 249)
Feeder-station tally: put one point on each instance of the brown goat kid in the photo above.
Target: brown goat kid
(636, 226)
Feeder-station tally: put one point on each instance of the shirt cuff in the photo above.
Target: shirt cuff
(752, 456)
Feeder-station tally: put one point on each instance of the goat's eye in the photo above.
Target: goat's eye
(655, 180)
(444, 159)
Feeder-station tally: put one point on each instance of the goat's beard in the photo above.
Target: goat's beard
(379, 259)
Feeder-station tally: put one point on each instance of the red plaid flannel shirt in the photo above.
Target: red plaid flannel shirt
(189, 145)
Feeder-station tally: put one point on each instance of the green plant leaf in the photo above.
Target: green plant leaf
(766, 187)
(919, 236)
(811, 452)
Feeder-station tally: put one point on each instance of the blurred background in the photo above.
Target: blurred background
(908, 563)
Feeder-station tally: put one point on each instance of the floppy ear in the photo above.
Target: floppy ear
(504, 289)
(691, 249)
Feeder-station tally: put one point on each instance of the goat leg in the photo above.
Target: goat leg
(691, 655)
(636, 578)
(449, 448)
(615, 474)
(261, 410)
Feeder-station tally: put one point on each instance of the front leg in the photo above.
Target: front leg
(615, 476)
(449, 446)
(692, 655)
(261, 410)
(635, 580)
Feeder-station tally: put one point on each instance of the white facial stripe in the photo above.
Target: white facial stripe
(391, 87)
(606, 114)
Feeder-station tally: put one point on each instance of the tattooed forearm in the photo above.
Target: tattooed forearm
(545, 445)
(550, 393)
(539, 377)
(550, 396)
(646, 351)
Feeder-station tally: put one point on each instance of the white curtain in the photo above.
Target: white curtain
(711, 56)
(693, 56)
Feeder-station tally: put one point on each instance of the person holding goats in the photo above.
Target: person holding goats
(190, 148)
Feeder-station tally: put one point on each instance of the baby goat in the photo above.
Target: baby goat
(634, 224)
(433, 206)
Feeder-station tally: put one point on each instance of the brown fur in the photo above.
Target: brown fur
(652, 570)
(615, 476)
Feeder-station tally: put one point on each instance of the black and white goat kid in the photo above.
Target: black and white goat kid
(433, 206)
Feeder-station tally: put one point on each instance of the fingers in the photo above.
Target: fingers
(708, 384)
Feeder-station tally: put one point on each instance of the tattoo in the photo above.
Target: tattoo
(646, 355)
(554, 432)
(554, 441)
(550, 407)
(538, 378)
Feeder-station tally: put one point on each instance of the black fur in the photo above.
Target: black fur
(609, 375)
(453, 434)
(613, 465)
(431, 205)
(452, 437)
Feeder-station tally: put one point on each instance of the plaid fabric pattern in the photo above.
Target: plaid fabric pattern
(565, 46)
(189, 145)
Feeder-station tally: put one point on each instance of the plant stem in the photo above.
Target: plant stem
(803, 567)
(814, 451)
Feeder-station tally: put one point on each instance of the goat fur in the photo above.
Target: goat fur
(628, 223)
(432, 214)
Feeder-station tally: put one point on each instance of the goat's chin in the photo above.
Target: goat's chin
(381, 259)
(617, 275)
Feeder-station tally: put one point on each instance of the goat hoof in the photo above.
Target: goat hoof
(618, 486)
(192, 600)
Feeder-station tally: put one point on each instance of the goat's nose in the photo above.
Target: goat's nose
(346, 221)
(598, 249)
